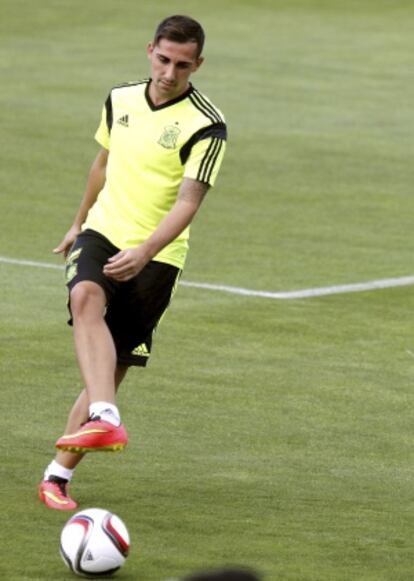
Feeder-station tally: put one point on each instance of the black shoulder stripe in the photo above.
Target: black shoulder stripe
(109, 113)
(216, 130)
(208, 105)
(209, 161)
(205, 107)
(207, 165)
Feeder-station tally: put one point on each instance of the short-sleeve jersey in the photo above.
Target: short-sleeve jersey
(151, 149)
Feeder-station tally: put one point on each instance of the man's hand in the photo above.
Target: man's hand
(67, 241)
(126, 264)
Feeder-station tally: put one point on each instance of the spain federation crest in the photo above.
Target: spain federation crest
(169, 136)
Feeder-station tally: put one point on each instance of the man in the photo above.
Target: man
(162, 143)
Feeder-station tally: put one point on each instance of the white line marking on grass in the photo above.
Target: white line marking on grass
(19, 262)
(311, 292)
(282, 295)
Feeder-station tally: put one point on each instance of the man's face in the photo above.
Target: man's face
(172, 63)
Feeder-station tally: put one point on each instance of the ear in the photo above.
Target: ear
(198, 63)
(150, 49)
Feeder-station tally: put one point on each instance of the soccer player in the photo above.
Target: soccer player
(162, 144)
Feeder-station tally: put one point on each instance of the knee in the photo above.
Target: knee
(87, 299)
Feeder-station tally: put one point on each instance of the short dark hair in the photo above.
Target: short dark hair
(224, 575)
(181, 29)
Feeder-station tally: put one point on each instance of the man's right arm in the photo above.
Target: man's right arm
(94, 184)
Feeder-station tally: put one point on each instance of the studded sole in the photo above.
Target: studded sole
(83, 450)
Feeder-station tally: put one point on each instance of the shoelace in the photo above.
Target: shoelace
(61, 483)
(91, 419)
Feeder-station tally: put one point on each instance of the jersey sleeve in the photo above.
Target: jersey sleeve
(205, 159)
(102, 135)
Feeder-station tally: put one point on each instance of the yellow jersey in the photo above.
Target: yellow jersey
(151, 149)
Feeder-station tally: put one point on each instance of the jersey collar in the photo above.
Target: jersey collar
(154, 107)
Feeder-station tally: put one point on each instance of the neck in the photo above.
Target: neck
(159, 98)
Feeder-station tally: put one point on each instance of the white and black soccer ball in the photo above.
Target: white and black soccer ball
(94, 542)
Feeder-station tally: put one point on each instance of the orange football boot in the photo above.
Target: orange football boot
(94, 436)
(53, 492)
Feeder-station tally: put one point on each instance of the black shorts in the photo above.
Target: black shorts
(134, 307)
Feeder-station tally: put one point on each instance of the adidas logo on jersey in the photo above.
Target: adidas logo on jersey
(124, 120)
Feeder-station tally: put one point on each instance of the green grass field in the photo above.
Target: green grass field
(268, 433)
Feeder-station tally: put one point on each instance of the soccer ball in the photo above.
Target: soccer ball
(94, 542)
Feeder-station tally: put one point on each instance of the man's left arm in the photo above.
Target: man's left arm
(127, 263)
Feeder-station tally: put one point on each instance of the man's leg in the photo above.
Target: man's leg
(94, 345)
(96, 354)
(78, 416)
(53, 490)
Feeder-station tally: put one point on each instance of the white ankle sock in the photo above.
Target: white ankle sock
(56, 469)
(107, 411)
